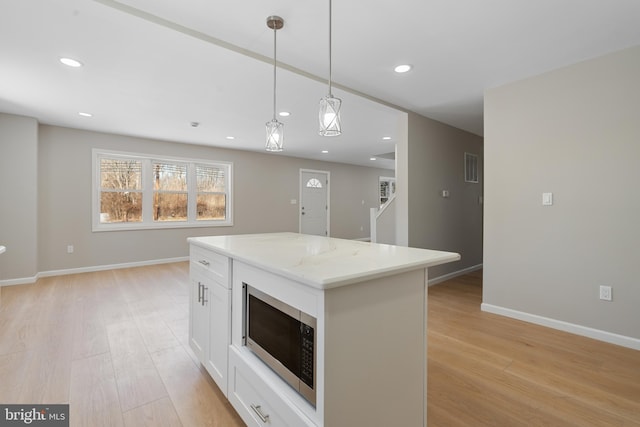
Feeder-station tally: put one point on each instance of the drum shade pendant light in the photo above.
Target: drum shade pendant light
(329, 114)
(275, 129)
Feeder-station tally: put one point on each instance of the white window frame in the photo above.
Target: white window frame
(147, 192)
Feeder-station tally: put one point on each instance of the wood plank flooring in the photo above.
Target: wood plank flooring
(488, 370)
(114, 345)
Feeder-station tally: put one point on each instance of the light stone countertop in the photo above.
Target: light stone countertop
(322, 262)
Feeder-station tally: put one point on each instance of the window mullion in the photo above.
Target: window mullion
(192, 197)
(147, 192)
(228, 191)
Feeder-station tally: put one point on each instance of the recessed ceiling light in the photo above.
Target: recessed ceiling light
(71, 62)
(386, 138)
(284, 114)
(325, 151)
(402, 68)
(231, 137)
(372, 158)
(83, 114)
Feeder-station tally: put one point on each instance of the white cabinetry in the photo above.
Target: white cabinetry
(370, 354)
(210, 312)
(259, 395)
(370, 306)
(198, 317)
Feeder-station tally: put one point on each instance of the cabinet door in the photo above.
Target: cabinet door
(198, 318)
(218, 299)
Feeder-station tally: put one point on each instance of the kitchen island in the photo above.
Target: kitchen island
(369, 304)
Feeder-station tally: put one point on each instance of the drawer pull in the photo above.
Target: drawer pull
(204, 262)
(258, 411)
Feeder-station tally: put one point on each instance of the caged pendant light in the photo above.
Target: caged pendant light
(329, 114)
(275, 129)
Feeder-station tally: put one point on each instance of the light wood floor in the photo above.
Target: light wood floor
(114, 345)
(488, 370)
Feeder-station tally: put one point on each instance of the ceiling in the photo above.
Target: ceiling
(152, 67)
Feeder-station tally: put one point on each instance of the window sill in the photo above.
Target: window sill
(98, 228)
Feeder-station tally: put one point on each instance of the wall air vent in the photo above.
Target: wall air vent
(470, 168)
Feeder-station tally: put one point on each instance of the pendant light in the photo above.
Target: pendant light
(329, 114)
(275, 129)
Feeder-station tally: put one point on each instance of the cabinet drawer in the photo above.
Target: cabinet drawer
(214, 265)
(256, 402)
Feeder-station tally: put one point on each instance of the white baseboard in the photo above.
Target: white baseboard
(448, 276)
(51, 273)
(19, 281)
(622, 340)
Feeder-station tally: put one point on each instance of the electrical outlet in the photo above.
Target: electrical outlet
(605, 293)
(70, 249)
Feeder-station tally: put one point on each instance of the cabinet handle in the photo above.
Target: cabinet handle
(204, 262)
(199, 292)
(258, 411)
(204, 300)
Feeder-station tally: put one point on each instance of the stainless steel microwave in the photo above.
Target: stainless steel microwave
(284, 338)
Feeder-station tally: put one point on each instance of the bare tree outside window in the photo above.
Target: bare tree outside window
(170, 193)
(211, 195)
(134, 191)
(121, 191)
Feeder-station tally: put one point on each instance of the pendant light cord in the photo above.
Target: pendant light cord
(330, 95)
(274, 72)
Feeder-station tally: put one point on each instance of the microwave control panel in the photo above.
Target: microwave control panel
(306, 371)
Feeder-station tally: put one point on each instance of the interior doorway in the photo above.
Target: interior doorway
(314, 202)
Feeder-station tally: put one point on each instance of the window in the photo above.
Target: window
(211, 195)
(314, 183)
(387, 187)
(134, 191)
(120, 190)
(170, 194)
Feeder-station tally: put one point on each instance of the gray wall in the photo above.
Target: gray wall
(18, 196)
(264, 184)
(432, 160)
(574, 132)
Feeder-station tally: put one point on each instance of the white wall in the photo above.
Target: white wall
(429, 161)
(18, 196)
(384, 222)
(574, 132)
(264, 185)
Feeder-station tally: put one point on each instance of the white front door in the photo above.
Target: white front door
(314, 202)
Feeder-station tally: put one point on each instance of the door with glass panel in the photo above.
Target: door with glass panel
(314, 202)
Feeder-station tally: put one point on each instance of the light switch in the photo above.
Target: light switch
(445, 194)
(547, 199)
